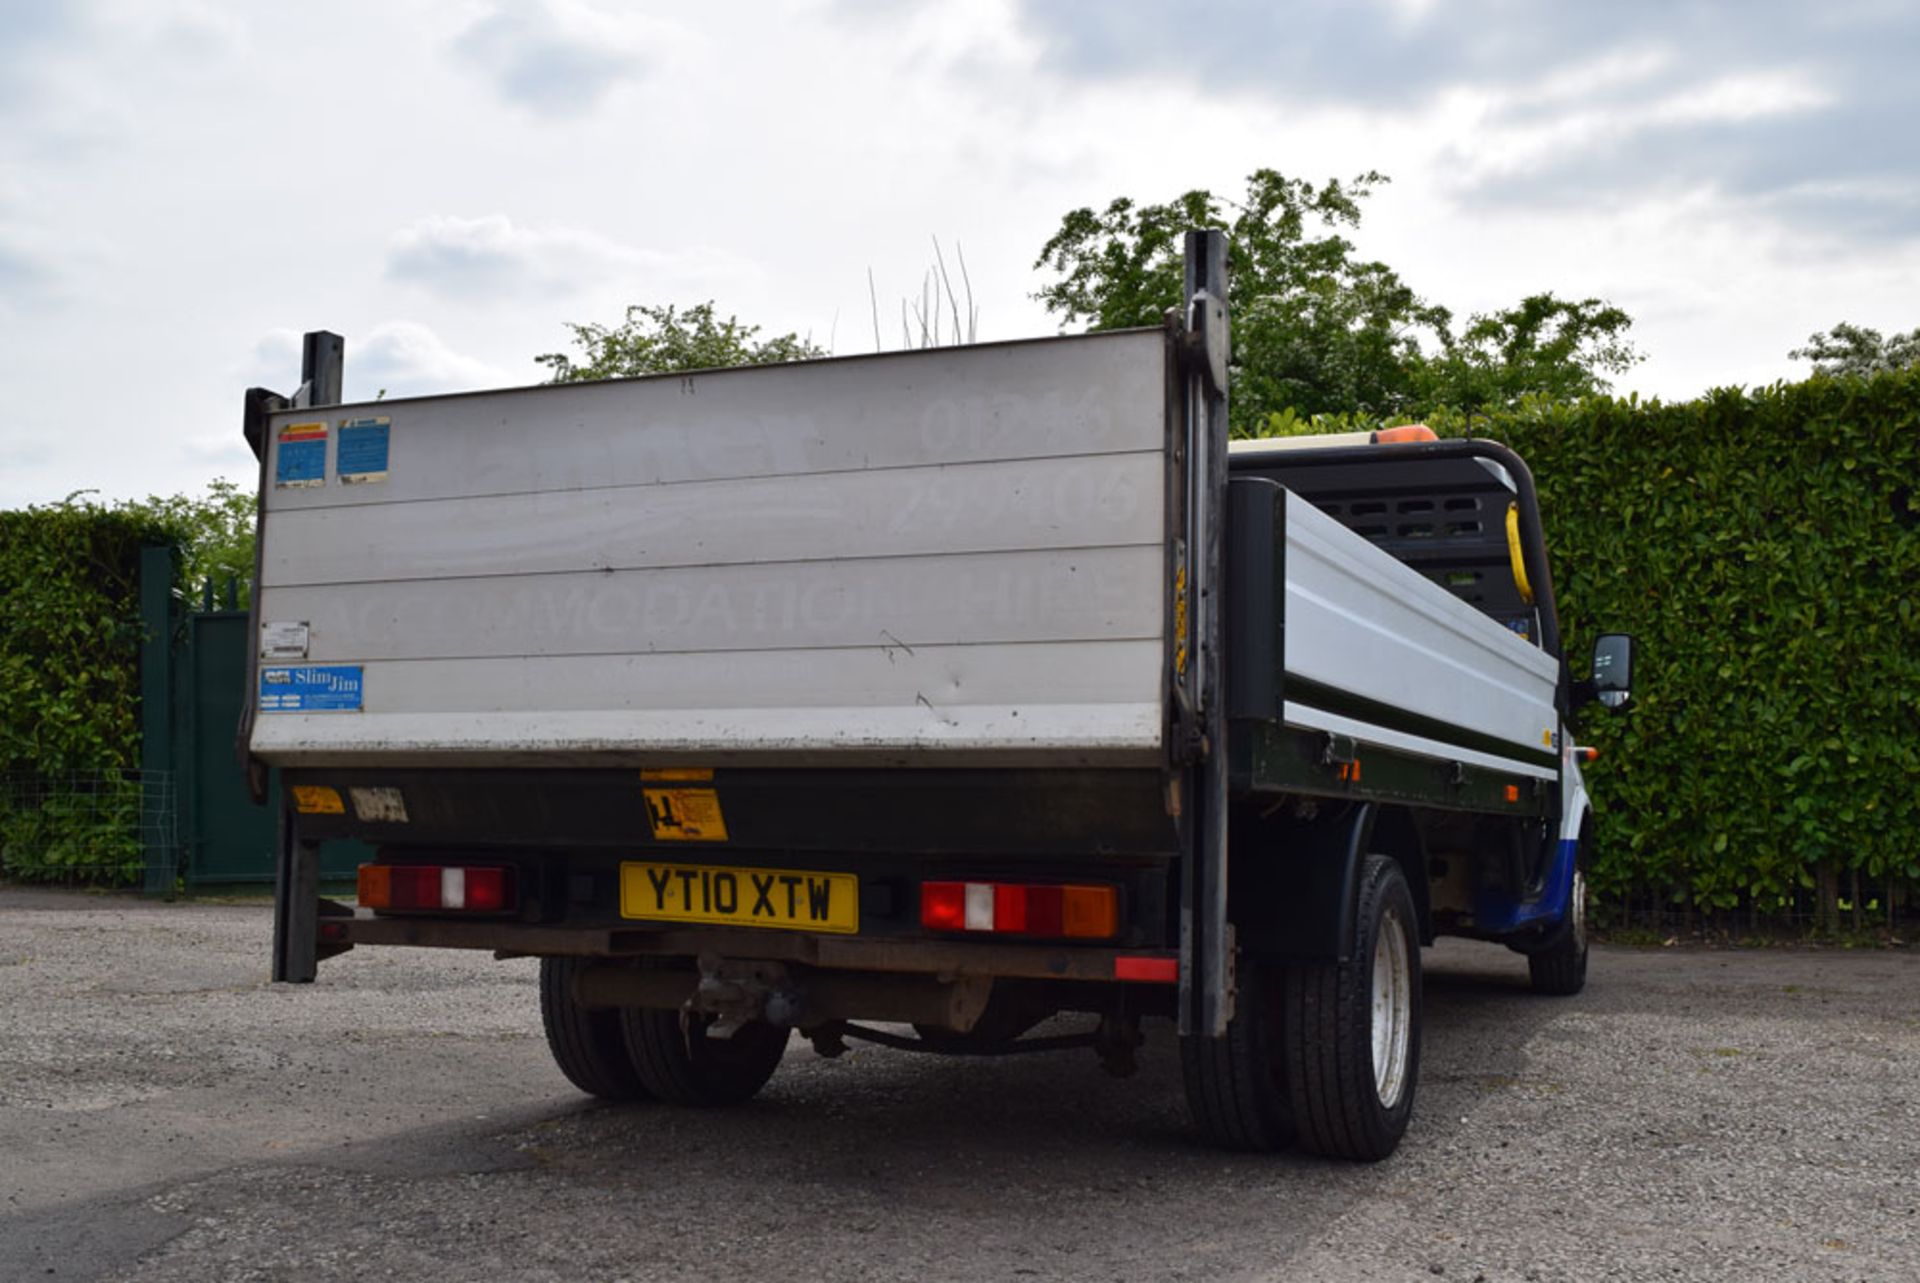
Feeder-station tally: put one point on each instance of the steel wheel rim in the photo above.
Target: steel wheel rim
(1391, 1010)
(1579, 909)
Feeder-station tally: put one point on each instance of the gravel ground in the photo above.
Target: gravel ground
(167, 1114)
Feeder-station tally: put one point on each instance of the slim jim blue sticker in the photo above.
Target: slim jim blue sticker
(326, 688)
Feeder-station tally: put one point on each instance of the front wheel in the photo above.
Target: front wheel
(1353, 1028)
(1561, 968)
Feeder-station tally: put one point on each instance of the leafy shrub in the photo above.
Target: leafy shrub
(70, 635)
(1764, 549)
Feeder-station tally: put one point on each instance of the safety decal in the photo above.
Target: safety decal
(685, 815)
(300, 459)
(379, 805)
(363, 450)
(316, 799)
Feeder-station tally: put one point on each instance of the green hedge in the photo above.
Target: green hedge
(70, 634)
(1764, 549)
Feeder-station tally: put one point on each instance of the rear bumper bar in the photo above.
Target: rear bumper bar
(922, 957)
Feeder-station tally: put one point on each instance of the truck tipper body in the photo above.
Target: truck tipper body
(920, 698)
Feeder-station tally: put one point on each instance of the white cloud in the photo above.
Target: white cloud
(559, 59)
(493, 257)
(1614, 70)
(405, 358)
(1499, 141)
(276, 359)
(22, 277)
(178, 177)
(1741, 97)
(394, 357)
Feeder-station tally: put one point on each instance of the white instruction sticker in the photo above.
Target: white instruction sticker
(379, 805)
(283, 641)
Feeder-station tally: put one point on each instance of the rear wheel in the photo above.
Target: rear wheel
(1561, 968)
(587, 1043)
(685, 1064)
(1352, 1029)
(1236, 1088)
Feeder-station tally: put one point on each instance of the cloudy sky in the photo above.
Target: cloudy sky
(186, 185)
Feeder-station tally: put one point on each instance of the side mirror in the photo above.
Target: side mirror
(1612, 681)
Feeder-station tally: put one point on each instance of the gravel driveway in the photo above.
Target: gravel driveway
(166, 1114)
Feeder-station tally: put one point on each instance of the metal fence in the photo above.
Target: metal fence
(115, 828)
(187, 818)
(1857, 905)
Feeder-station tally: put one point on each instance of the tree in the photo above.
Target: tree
(665, 340)
(1855, 350)
(214, 531)
(1544, 347)
(1317, 329)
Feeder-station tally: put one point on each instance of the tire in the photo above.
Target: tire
(1561, 968)
(683, 1066)
(586, 1043)
(1352, 1029)
(1236, 1087)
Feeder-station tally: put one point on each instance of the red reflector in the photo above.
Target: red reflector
(1010, 907)
(486, 889)
(434, 886)
(943, 906)
(416, 886)
(1043, 911)
(1163, 971)
(1019, 909)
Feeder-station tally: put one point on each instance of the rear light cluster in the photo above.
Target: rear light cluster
(487, 889)
(1013, 908)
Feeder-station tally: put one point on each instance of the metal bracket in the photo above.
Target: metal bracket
(1338, 750)
(736, 992)
(1204, 343)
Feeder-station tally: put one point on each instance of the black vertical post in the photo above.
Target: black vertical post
(296, 903)
(1206, 949)
(156, 716)
(296, 876)
(323, 360)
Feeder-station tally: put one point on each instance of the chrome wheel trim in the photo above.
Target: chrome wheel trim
(1391, 1009)
(1579, 910)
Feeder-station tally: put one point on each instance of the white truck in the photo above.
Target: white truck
(950, 689)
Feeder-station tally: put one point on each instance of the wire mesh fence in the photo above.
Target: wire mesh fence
(1847, 903)
(108, 828)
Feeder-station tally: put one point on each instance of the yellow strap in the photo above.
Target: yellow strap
(1513, 554)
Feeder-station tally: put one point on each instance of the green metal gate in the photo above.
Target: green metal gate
(224, 838)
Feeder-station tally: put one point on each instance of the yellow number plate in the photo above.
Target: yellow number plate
(790, 898)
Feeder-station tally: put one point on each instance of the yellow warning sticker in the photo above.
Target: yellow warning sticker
(679, 774)
(685, 815)
(313, 799)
